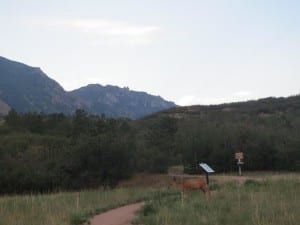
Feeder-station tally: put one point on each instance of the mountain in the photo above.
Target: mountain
(4, 108)
(26, 88)
(29, 89)
(114, 101)
(262, 108)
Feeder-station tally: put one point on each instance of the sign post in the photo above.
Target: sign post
(239, 156)
(207, 170)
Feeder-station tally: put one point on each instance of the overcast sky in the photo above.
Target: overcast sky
(187, 51)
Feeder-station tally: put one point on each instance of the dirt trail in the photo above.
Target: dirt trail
(119, 216)
(124, 215)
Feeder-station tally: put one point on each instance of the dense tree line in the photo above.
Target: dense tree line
(267, 131)
(265, 148)
(47, 152)
(40, 152)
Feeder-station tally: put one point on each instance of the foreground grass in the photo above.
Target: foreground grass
(65, 208)
(258, 202)
(266, 202)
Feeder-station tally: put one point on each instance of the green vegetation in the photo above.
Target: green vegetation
(267, 131)
(45, 153)
(271, 200)
(65, 208)
(265, 202)
(42, 153)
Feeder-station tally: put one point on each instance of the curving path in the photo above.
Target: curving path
(119, 216)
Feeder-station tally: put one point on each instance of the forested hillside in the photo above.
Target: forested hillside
(48, 152)
(267, 131)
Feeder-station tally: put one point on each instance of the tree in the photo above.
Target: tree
(13, 119)
(80, 123)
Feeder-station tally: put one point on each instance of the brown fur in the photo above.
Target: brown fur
(192, 184)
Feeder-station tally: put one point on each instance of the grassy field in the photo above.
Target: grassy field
(261, 199)
(274, 200)
(65, 208)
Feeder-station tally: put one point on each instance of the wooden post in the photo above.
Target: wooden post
(239, 156)
(240, 167)
(207, 179)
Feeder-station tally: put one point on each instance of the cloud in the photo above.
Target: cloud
(107, 31)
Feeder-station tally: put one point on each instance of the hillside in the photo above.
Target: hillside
(26, 88)
(262, 108)
(4, 108)
(266, 130)
(114, 101)
(48, 152)
(29, 89)
(264, 105)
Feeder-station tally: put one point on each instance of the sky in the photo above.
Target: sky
(190, 52)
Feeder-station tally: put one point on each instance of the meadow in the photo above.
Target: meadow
(260, 199)
(65, 208)
(271, 201)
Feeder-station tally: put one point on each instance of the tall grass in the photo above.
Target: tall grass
(267, 202)
(274, 201)
(64, 208)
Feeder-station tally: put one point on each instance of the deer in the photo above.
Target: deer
(192, 184)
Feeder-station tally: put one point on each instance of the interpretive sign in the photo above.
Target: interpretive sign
(207, 170)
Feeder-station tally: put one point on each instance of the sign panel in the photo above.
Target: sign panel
(206, 168)
(239, 155)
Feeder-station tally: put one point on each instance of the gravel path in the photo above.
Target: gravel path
(119, 216)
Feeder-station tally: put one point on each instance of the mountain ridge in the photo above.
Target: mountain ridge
(28, 89)
(263, 107)
(99, 96)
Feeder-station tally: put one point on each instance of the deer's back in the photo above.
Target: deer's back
(194, 183)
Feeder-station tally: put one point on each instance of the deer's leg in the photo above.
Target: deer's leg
(205, 189)
(202, 189)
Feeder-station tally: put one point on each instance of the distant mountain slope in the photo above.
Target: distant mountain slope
(114, 101)
(29, 89)
(4, 108)
(240, 110)
(261, 107)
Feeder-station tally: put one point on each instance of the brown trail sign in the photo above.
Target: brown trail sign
(239, 155)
